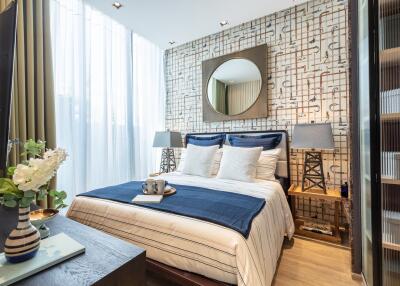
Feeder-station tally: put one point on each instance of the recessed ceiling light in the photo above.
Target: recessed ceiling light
(171, 42)
(223, 23)
(117, 5)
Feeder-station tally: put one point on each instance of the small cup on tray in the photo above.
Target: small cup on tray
(154, 186)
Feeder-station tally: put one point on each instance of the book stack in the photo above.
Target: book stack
(147, 199)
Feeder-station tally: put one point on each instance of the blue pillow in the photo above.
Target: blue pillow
(206, 140)
(258, 136)
(267, 141)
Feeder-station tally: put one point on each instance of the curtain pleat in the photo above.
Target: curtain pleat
(33, 112)
(48, 80)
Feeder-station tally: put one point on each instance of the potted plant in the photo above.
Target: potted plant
(27, 183)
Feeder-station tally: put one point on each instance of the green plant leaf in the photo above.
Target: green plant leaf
(29, 194)
(23, 205)
(61, 206)
(41, 195)
(59, 198)
(24, 202)
(11, 170)
(9, 196)
(9, 184)
(7, 187)
(53, 193)
(62, 195)
(10, 203)
(33, 148)
(58, 202)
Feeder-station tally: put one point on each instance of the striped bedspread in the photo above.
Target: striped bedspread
(195, 245)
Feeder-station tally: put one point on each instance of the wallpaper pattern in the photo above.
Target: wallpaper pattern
(308, 78)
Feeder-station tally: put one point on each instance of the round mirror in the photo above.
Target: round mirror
(234, 86)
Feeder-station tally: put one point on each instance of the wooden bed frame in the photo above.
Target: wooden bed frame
(159, 274)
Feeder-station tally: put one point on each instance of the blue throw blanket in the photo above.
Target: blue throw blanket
(231, 210)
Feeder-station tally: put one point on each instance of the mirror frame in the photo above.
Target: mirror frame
(259, 109)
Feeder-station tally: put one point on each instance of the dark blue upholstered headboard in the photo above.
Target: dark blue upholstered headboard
(283, 169)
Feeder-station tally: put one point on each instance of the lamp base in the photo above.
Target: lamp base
(168, 163)
(313, 172)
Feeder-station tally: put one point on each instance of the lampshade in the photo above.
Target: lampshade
(167, 139)
(313, 136)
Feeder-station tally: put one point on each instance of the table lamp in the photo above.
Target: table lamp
(314, 136)
(167, 140)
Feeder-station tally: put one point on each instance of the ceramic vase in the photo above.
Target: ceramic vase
(23, 242)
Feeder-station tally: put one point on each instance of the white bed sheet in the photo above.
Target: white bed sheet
(198, 246)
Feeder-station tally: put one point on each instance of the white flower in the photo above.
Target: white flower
(58, 154)
(22, 173)
(38, 172)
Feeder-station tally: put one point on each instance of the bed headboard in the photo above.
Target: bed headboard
(283, 169)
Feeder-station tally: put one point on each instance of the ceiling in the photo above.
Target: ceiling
(182, 21)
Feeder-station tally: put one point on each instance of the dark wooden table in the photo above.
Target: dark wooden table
(107, 260)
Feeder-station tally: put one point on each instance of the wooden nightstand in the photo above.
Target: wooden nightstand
(332, 195)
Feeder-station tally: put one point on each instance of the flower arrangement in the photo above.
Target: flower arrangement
(29, 181)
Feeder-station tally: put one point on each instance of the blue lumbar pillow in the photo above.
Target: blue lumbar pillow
(206, 140)
(267, 141)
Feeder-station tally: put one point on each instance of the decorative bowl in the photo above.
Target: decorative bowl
(39, 217)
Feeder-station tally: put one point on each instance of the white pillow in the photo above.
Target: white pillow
(182, 161)
(266, 165)
(239, 163)
(215, 167)
(217, 162)
(199, 160)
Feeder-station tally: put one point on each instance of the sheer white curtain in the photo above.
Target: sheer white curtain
(149, 102)
(109, 91)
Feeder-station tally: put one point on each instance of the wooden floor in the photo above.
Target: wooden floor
(308, 263)
(305, 262)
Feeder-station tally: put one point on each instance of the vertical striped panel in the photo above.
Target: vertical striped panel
(389, 34)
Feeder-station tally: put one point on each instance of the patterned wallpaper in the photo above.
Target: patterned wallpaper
(308, 65)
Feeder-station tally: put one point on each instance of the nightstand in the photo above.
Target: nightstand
(332, 195)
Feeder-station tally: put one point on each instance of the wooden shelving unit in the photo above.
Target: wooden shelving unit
(391, 246)
(390, 181)
(390, 129)
(377, 148)
(390, 116)
(390, 57)
(392, 218)
(388, 8)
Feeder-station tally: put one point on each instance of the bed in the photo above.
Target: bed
(198, 246)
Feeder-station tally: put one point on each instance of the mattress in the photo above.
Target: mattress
(198, 246)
